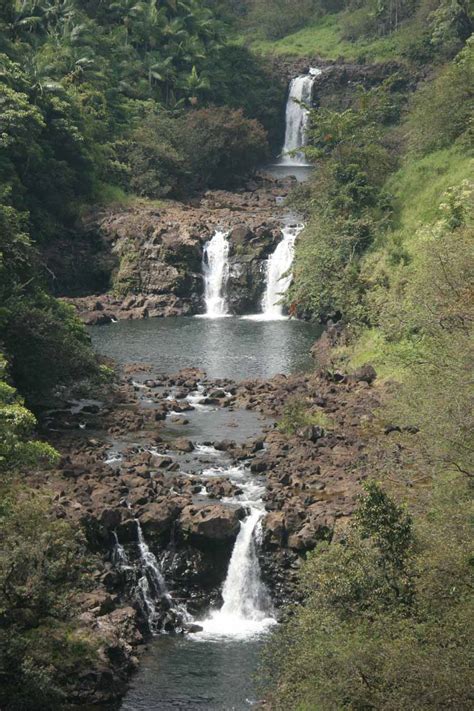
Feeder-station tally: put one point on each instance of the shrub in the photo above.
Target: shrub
(48, 346)
(441, 111)
(221, 146)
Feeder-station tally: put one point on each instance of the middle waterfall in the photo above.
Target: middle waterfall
(216, 273)
(278, 276)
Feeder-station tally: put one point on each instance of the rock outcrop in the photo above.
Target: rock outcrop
(154, 255)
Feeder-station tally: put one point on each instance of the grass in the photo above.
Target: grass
(419, 185)
(325, 39)
(108, 194)
(386, 357)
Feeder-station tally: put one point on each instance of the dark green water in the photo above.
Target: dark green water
(180, 673)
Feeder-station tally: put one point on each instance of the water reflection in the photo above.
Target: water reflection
(231, 347)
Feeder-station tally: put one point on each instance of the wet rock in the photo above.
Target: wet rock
(221, 487)
(182, 445)
(215, 522)
(111, 518)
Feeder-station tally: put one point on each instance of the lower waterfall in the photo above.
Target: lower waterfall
(215, 264)
(247, 607)
(158, 607)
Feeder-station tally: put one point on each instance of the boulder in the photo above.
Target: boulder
(274, 531)
(182, 445)
(158, 517)
(365, 373)
(213, 522)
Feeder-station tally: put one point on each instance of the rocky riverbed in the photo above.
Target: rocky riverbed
(126, 461)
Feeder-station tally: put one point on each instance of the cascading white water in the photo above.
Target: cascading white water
(278, 276)
(247, 608)
(278, 273)
(119, 556)
(300, 95)
(216, 272)
(151, 584)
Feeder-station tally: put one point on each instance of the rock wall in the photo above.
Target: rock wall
(155, 254)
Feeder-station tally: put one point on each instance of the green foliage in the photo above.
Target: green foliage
(273, 19)
(376, 631)
(348, 203)
(221, 146)
(209, 147)
(17, 424)
(42, 565)
(414, 31)
(442, 109)
(40, 331)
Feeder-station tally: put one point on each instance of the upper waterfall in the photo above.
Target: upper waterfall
(300, 95)
(216, 272)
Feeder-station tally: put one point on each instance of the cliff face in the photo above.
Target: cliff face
(154, 254)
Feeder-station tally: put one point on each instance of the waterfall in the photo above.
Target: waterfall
(119, 556)
(247, 608)
(278, 276)
(300, 95)
(158, 607)
(151, 585)
(215, 265)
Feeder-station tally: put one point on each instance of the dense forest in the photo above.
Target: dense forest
(113, 102)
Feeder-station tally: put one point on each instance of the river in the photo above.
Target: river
(216, 668)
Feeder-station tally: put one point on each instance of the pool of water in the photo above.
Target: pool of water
(178, 673)
(225, 348)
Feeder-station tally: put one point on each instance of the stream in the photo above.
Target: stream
(215, 668)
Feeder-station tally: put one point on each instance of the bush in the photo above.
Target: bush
(221, 146)
(378, 631)
(155, 166)
(442, 109)
(48, 346)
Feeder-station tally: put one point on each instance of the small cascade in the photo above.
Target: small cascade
(153, 597)
(300, 96)
(119, 555)
(247, 608)
(215, 265)
(278, 276)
